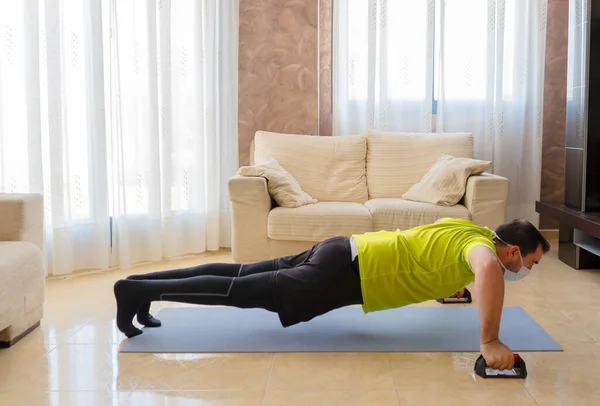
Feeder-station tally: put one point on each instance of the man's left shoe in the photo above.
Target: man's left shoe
(148, 320)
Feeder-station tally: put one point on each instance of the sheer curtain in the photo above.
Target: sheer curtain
(491, 79)
(123, 115)
(382, 65)
(448, 66)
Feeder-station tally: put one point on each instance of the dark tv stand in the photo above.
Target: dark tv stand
(578, 235)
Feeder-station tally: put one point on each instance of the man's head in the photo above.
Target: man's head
(518, 240)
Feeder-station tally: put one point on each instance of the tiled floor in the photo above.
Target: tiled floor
(73, 358)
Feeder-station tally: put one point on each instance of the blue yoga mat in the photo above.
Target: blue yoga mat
(407, 329)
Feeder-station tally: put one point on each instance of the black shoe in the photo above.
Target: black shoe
(143, 314)
(126, 308)
(145, 318)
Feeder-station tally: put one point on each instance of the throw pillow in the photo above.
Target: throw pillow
(282, 186)
(445, 183)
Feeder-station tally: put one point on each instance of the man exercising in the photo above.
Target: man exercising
(378, 270)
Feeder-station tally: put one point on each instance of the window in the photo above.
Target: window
(409, 49)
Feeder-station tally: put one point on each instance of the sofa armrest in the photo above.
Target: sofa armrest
(22, 218)
(250, 207)
(486, 197)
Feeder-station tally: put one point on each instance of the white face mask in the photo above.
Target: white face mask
(510, 275)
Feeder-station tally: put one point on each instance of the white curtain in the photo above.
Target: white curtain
(123, 114)
(453, 65)
(383, 65)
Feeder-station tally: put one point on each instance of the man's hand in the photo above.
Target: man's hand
(459, 294)
(497, 355)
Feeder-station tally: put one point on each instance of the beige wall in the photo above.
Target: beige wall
(281, 62)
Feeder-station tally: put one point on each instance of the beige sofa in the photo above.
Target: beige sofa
(22, 265)
(358, 181)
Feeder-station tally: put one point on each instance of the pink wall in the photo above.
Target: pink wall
(284, 65)
(555, 90)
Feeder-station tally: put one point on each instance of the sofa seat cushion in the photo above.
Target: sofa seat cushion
(21, 271)
(330, 169)
(319, 221)
(392, 214)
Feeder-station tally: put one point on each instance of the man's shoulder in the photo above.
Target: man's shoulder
(480, 257)
(462, 235)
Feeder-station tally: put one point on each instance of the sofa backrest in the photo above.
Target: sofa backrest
(327, 168)
(396, 161)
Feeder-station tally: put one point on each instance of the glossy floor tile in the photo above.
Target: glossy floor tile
(331, 371)
(73, 357)
(352, 397)
(185, 398)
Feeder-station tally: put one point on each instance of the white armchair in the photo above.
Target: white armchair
(22, 265)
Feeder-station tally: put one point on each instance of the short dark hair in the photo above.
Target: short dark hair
(524, 235)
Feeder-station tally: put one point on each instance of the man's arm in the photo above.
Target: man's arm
(489, 291)
(489, 288)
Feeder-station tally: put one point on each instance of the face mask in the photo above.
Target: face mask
(510, 275)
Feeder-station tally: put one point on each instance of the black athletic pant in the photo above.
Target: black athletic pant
(211, 284)
(298, 287)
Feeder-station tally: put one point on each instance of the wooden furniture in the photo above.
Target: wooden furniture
(579, 235)
(579, 216)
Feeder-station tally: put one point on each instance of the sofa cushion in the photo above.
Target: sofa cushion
(445, 183)
(282, 186)
(330, 169)
(319, 221)
(396, 161)
(392, 214)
